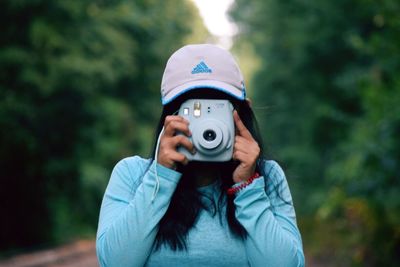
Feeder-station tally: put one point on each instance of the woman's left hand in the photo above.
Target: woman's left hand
(245, 150)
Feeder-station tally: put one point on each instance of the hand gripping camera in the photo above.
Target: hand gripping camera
(212, 127)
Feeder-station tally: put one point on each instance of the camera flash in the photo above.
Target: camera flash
(186, 111)
(197, 109)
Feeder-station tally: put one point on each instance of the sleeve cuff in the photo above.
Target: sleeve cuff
(257, 186)
(257, 183)
(164, 172)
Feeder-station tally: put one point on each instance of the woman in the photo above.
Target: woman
(169, 211)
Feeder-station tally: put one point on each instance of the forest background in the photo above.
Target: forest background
(79, 90)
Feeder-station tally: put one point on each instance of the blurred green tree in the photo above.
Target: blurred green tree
(79, 89)
(328, 84)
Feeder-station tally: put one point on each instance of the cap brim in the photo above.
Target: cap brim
(211, 84)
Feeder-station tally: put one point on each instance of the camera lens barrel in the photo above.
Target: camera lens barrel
(209, 135)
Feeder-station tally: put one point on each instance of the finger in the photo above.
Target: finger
(245, 161)
(173, 126)
(247, 154)
(178, 157)
(183, 141)
(250, 148)
(242, 149)
(170, 118)
(173, 119)
(244, 144)
(252, 152)
(241, 128)
(241, 140)
(240, 156)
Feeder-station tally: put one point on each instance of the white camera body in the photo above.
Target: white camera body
(213, 129)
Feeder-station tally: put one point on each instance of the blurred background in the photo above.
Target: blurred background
(79, 90)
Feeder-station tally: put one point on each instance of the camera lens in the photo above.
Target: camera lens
(209, 135)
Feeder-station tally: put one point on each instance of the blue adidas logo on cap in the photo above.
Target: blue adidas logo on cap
(201, 68)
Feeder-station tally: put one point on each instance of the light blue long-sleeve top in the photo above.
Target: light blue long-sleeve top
(129, 218)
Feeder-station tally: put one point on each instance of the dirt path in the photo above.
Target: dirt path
(81, 253)
(78, 254)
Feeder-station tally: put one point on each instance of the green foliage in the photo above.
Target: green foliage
(79, 90)
(329, 75)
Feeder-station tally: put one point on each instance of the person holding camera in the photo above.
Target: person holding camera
(207, 196)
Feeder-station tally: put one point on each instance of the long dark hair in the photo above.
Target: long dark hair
(187, 201)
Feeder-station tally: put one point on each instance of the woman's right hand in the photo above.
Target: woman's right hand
(168, 155)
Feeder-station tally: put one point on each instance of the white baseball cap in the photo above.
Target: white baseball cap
(201, 66)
